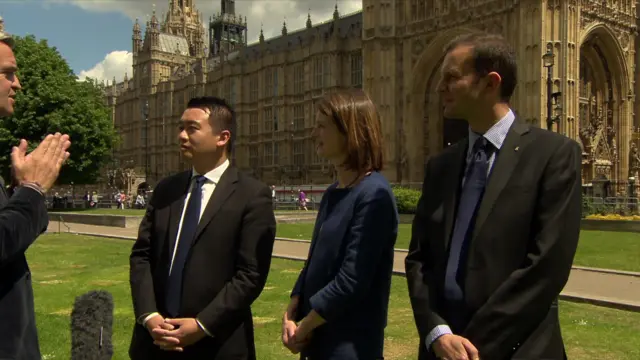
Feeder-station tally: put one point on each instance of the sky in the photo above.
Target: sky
(94, 36)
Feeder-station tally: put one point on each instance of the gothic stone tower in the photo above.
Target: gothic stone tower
(593, 42)
(169, 47)
(227, 31)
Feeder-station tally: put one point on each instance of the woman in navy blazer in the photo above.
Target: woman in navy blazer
(338, 307)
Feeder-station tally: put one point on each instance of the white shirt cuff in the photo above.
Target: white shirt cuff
(435, 334)
(144, 321)
(203, 328)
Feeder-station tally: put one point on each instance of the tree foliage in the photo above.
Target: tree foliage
(53, 100)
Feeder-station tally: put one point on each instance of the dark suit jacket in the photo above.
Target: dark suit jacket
(347, 277)
(22, 218)
(521, 251)
(225, 272)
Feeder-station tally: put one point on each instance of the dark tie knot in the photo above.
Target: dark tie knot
(482, 145)
(200, 180)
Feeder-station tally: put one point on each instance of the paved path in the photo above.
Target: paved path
(599, 286)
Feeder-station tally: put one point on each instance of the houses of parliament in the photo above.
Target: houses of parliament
(393, 50)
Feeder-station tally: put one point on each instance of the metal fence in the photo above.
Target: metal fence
(609, 205)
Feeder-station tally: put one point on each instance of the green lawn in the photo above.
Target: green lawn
(65, 266)
(137, 212)
(609, 250)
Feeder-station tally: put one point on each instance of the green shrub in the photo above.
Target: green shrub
(406, 199)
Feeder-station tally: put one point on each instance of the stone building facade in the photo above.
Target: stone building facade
(272, 84)
(393, 48)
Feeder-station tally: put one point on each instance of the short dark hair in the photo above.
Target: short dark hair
(222, 115)
(357, 118)
(491, 53)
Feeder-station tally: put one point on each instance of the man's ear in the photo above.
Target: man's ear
(494, 81)
(225, 136)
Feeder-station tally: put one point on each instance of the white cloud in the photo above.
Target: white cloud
(268, 14)
(116, 63)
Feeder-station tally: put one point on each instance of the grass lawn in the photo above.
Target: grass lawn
(137, 212)
(65, 266)
(602, 249)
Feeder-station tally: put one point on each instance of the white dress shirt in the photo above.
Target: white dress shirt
(496, 135)
(212, 179)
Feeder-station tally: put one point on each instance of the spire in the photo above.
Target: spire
(136, 27)
(309, 25)
(336, 14)
(284, 27)
(154, 19)
(126, 77)
(261, 34)
(1, 23)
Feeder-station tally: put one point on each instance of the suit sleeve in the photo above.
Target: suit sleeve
(140, 275)
(297, 287)
(516, 307)
(22, 220)
(419, 269)
(257, 235)
(371, 234)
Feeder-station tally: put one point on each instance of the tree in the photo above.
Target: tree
(53, 100)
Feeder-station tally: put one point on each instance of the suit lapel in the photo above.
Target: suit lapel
(175, 212)
(4, 197)
(452, 187)
(505, 164)
(223, 190)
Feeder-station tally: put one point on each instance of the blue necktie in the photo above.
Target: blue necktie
(187, 235)
(472, 191)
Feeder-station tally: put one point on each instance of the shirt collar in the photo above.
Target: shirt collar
(215, 174)
(497, 133)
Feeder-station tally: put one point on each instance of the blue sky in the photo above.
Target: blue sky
(94, 36)
(82, 37)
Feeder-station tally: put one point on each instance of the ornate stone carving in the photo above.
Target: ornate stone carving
(634, 158)
(624, 40)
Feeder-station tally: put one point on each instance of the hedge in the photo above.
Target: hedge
(406, 199)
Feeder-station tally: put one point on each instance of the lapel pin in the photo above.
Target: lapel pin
(517, 148)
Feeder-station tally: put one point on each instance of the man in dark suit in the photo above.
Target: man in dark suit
(203, 250)
(23, 217)
(498, 221)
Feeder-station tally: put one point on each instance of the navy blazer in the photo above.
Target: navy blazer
(347, 276)
(23, 217)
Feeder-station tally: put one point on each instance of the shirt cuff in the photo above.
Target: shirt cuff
(435, 334)
(203, 328)
(144, 318)
(34, 186)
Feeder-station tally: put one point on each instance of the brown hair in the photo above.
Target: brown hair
(357, 118)
(491, 53)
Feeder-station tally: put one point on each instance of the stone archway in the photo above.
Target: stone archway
(424, 116)
(603, 106)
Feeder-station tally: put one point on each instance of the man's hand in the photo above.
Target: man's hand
(42, 165)
(158, 322)
(454, 347)
(186, 332)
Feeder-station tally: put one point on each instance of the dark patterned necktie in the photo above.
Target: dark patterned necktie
(470, 197)
(187, 235)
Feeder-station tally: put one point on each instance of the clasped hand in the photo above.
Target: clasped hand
(293, 337)
(454, 347)
(174, 334)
